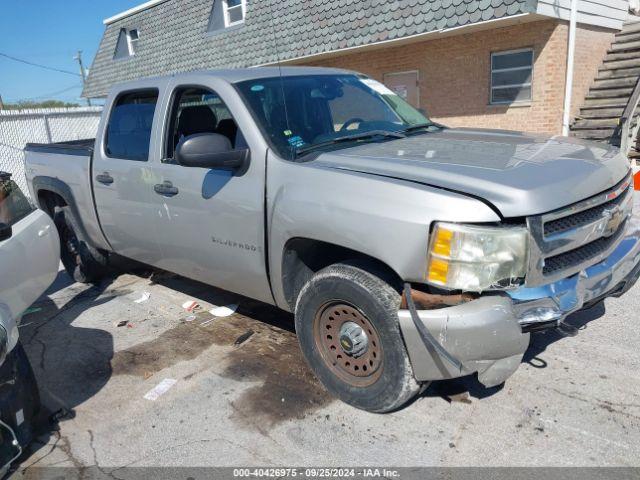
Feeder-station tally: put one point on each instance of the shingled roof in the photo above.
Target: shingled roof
(174, 36)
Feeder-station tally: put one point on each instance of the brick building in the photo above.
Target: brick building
(485, 63)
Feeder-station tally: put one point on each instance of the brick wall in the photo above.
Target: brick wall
(454, 73)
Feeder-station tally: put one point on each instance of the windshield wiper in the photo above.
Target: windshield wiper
(350, 138)
(420, 126)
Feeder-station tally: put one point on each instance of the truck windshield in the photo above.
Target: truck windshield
(299, 114)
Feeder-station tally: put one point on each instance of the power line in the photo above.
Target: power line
(53, 94)
(46, 96)
(38, 65)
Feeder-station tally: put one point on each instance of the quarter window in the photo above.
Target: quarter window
(129, 129)
(511, 76)
(14, 205)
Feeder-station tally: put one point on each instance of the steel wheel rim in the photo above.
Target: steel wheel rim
(360, 371)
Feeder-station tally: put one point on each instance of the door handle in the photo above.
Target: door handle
(166, 189)
(44, 231)
(105, 178)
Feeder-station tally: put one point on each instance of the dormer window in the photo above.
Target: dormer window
(225, 14)
(127, 43)
(234, 12)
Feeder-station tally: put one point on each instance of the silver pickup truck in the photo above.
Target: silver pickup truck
(408, 251)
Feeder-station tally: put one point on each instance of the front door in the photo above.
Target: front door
(122, 177)
(405, 85)
(210, 223)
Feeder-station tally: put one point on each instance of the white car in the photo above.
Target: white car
(29, 263)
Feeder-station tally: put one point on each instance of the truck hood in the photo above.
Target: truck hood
(519, 174)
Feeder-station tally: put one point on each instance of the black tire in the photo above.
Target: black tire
(391, 384)
(83, 262)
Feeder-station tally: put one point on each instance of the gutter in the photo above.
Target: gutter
(571, 54)
(131, 11)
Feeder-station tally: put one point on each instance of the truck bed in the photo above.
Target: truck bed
(82, 148)
(65, 169)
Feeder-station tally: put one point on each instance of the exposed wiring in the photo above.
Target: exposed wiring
(15, 443)
(26, 62)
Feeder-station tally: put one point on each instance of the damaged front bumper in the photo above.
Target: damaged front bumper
(490, 335)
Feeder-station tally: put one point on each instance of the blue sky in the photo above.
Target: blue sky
(49, 32)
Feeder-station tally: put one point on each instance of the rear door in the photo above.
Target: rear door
(210, 223)
(122, 175)
(29, 254)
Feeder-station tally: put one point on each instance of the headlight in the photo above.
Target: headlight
(475, 258)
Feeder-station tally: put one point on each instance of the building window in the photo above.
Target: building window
(127, 43)
(234, 12)
(511, 76)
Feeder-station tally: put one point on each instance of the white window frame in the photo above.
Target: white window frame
(225, 11)
(131, 42)
(521, 85)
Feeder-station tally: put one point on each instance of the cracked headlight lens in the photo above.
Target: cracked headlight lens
(476, 258)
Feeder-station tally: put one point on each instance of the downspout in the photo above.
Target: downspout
(571, 53)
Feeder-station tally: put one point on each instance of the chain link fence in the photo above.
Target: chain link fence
(19, 127)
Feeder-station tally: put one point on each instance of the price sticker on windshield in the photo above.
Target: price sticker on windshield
(377, 86)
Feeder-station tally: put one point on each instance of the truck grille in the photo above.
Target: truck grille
(582, 254)
(571, 239)
(580, 219)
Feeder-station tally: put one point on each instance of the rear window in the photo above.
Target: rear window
(129, 129)
(14, 205)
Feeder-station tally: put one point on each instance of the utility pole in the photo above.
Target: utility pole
(83, 72)
(1, 104)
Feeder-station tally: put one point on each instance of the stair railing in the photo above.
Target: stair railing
(627, 134)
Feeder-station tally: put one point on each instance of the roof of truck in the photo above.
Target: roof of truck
(242, 74)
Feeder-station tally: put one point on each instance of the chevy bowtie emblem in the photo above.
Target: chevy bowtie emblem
(614, 219)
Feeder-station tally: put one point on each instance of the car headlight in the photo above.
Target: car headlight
(476, 258)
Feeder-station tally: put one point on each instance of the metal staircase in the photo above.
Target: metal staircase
(610, 111)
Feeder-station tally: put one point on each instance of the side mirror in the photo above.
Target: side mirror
(5, 231)
(210, 150)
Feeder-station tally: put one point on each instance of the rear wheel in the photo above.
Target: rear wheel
(347, 325)
(83, 263)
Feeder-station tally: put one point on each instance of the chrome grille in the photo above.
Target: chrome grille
(580, 255)
(571, 239)
(579, 219)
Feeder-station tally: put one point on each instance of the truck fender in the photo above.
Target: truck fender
(57, 186)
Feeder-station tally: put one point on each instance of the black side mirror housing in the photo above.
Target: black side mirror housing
(211, 150)
(5, 231)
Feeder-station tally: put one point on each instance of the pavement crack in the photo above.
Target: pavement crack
(102, 470)
(43, 352)
(65, 446)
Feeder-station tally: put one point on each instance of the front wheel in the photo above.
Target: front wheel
(347, 324)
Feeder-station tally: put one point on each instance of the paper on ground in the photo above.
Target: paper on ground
(143, 298)
(190, 305)
(160, 389)
(224, 311)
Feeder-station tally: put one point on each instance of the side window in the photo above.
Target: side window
(14, 205)
(511, 76)
(198, 110)
(129, 129)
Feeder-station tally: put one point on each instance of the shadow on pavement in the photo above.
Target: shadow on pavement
(71, 363)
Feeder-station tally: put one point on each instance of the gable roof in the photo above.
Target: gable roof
(174, 37)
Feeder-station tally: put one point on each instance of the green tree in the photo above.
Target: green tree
(30, 104)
